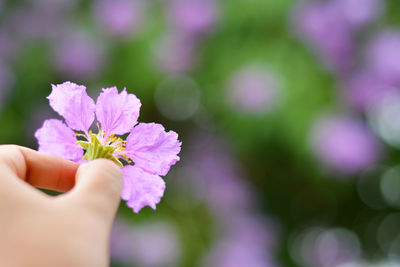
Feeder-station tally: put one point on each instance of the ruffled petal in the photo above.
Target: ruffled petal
(73, 103)
(152, 148)
(141, 188)
(117, 113)
(57, 139)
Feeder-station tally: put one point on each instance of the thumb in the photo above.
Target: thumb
(98, 187)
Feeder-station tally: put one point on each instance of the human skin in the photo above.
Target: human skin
(71, 229)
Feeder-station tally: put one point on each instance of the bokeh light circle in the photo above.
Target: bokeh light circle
(177, 97)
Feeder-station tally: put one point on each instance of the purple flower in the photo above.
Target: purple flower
(55, 6)
(78, 56)
(193, 16)
(227, 254)
(131, 244)
(175, 53)
(121, 242)
(35, 23)
(358, 13)
(161, 239)
(250, 241)
(364, 90)
(325, 31)
(8, 45)
(226, 191)
(255, 232)
(383, 55)
(344, 144)
(253, 89)
(119, 17)
(149, 146)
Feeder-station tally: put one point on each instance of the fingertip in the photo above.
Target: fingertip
(105, 171)
(98, 187)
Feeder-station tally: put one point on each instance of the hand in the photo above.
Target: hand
(71, 229)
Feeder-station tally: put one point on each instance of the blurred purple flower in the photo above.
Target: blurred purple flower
(54, 6)
(150, 245)
(159, 238)
(258, 233)
(148, 145)
(324, 30)
(383, 55)
(253, 89)
(344, 144)
(248, 241)
(175, 53)
(365, 90)
(6, 81)
(245, 238)
(119, 17)
(358, 13)
(121, 242)
(227, 254)
(77, 56)
(227, 193)
(35, 23)
(8, 45)
(193, 16)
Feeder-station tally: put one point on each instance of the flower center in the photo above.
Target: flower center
(99, 146)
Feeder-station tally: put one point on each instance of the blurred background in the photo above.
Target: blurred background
(289, 113)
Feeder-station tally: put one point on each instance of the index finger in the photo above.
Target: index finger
(38, 169)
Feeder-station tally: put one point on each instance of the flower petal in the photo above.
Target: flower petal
(153, 149)
(117, 113)
(141, 189)
(57, 139)
(73, 103)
